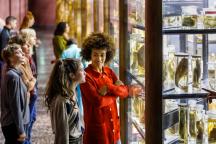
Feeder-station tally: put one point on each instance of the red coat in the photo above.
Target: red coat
(100, 112)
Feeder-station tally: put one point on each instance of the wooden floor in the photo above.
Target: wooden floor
(42, 133)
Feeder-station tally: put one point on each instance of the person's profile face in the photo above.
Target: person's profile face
(67, 29)
(80, 75)
(26, 48)
(13, 24)
(17, 57)
(33, 40)
(31, 22)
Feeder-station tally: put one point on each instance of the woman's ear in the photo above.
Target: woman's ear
(72, 76)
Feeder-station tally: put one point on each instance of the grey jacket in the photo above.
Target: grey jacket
(66, 121)
(14, 105)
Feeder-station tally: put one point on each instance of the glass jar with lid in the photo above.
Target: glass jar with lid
(209, 18)
(192, 120)
(212, 127)
(189, 16)
(196, 72)
(200, 120)
(212, 74)
(183, 117)
(181, 72)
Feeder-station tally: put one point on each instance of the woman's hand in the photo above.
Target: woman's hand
(135, 90)
(21, 137)
(103, 90)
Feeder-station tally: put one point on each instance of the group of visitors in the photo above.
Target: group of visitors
(18, 80)
(99, 85)
(81, 91)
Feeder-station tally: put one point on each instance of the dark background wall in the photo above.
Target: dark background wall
(44, 12)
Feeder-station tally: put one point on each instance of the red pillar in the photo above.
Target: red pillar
(44, 12)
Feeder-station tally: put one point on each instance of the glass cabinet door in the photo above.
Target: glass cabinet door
(185, 42)
(136, 71)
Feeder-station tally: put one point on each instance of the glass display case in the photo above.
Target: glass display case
(184, 31)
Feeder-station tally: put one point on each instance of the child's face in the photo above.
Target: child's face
(17, 57)
(26, 49)
(80, 75)
(33, 39)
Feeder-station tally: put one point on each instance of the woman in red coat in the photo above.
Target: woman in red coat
(100, 91)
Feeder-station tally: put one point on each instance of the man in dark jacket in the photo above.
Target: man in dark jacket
(10, 24)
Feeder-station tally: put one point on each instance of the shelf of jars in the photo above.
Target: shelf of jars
(180, 30)
(173, 94)
(170, 116)
(183, 2)
(192, 124)
(188, 22)
(137, 120)
(189, 31)
(170, 139)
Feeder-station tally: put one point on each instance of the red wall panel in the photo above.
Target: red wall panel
(43, 10)
(4, 8)
(15, 8)
(23, 10)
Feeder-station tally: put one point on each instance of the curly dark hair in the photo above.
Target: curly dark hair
(60, 81)
(98, 41)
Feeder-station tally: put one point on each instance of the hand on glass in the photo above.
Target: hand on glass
(135, 90)
(118, 83)
(103, 90)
